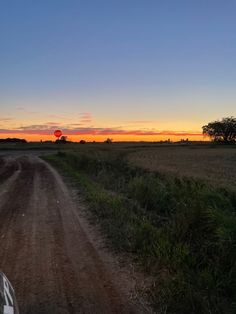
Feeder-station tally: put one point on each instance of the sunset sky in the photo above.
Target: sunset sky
(125, 69)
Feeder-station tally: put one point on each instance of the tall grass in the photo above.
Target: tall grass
(181, 231)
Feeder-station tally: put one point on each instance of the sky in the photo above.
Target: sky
(131, 70)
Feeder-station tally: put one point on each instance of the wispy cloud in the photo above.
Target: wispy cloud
(23, 109)
(43, 129)
(85, 117)
(4, 119)
(52, 123)
(35, 128)
(58, 116)
(140, 122)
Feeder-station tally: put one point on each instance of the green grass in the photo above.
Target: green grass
(180, 230)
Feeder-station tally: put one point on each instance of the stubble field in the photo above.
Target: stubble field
(214, 164)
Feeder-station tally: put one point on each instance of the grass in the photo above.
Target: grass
(180, 230)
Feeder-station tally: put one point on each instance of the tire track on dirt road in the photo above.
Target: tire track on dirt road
(52, 264)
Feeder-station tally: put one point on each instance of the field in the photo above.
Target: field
(170, 209)
(215, 164)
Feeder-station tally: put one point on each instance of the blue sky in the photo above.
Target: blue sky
(168, 62)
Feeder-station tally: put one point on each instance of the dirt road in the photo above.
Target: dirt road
(44, 249)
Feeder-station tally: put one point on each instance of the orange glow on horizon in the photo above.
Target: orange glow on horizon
(102, 138)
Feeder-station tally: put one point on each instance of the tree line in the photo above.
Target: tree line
(12, 140)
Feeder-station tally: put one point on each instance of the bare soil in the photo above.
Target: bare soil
(45, 248)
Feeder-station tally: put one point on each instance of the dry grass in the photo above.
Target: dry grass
(216, 164)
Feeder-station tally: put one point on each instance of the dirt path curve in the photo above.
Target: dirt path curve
(44, 250)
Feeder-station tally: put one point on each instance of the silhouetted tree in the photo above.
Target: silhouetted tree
(108, 141)
(82, 142)
(221, 131)
(62, 140)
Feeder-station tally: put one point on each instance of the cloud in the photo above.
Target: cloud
(35, 128)
(85, 117)
(5, 119)
(25, 110)
(85, 114)
(48, 129)
(52, 123)
(56, 116)
(140, 122)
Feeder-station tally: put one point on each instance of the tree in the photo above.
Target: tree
(221, 131)
(62, 140)
(108, 141)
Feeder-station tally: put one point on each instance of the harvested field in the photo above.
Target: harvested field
(216, 165)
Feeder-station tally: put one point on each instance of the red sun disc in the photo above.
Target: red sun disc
(58, 133)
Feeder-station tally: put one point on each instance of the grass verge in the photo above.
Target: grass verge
(181, 231)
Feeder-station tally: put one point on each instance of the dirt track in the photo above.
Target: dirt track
(44, 250)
